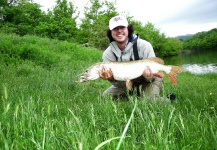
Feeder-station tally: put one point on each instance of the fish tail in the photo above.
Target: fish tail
(173, 73)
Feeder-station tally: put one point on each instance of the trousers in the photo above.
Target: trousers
(150, 90)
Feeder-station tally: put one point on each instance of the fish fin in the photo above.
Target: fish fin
(156, 59)
(129, 84)
(159, 74)
(173, 73)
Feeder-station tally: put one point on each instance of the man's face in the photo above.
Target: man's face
(120, 34)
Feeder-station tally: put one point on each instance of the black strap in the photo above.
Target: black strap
(116, 57)
(136, 57)
(135, 49)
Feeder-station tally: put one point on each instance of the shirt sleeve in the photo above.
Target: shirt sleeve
(108, 55)
(145, 49)
(150, 50)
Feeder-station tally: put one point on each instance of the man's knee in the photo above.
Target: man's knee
(114, 91)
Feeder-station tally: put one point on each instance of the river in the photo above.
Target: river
(201, 62)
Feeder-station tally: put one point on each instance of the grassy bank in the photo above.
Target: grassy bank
(41, 106)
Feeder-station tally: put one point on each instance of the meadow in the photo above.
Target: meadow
(42, 107)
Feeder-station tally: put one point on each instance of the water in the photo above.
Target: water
(201, 62)
(200, 69)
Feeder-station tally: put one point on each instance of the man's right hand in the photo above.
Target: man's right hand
(106, 74)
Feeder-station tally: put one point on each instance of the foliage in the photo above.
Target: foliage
(170, 47)
(43, 107)
(95, 23)
(59, 23)
(163, 46)
(25, 17)
(202, 41)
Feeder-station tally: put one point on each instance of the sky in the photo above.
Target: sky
(171, 17)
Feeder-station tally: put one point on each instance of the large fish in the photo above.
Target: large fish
(127, 71)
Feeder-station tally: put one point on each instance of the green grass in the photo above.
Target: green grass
(41, 106)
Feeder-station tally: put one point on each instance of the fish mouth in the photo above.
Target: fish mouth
(89, 74)
(82, 78)
(86, 77)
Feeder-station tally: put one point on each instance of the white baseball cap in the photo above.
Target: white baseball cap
(117, 21)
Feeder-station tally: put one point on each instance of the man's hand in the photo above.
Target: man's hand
(106, 74)
(147, 74)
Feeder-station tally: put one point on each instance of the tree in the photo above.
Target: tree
(25, 17)
(62, 21)
(95, 23)
(22, 15)
(162, 46)
(202, 41)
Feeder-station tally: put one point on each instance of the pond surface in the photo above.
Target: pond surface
(201, 62)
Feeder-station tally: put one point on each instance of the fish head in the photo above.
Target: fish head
(91, 73)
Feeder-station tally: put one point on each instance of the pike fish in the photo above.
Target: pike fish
(127, 71)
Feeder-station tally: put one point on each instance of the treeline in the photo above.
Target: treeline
(25, 17)
(202, 41)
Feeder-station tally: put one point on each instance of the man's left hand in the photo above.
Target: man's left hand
(147, 74)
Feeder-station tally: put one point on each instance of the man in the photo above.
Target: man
(122, 39)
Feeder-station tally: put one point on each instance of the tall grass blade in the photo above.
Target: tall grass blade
(105, 142)
(6, 146)
(127, 126)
